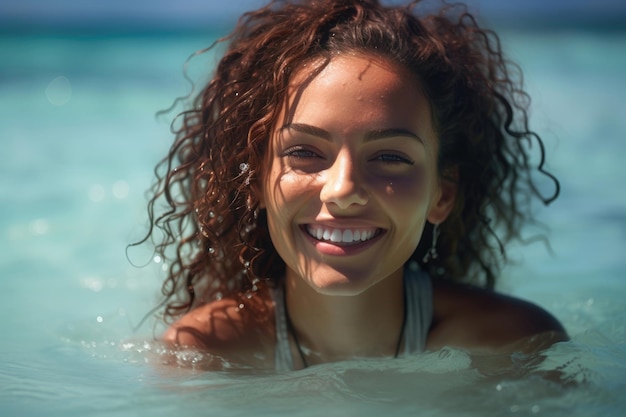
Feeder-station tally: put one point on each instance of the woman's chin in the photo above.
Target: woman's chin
(339, 284)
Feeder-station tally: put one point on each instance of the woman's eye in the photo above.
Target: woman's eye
(392, 158)
(298, 152)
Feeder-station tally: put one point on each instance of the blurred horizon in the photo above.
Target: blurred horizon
(142, 16)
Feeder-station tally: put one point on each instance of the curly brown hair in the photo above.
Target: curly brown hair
(215, 238)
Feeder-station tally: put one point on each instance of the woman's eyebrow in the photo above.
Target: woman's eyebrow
(308, 130)
(391, 133)
(371, 135)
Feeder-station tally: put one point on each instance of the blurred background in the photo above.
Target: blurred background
(184, 15)
(81, 84)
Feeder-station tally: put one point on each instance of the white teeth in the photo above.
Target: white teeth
(341, 235)
(336, 236)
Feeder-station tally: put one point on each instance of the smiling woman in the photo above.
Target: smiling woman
(351, 160)
(334, 191)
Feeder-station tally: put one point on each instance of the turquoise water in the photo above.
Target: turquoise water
(78, 140)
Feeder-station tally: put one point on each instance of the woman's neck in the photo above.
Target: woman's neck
(330, 328)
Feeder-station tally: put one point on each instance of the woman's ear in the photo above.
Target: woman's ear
(444, 203)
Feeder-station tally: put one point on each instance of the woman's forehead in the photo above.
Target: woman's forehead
(354, 80)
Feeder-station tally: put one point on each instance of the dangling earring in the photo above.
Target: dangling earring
(432, 252)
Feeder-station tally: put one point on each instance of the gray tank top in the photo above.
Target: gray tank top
(419, 314)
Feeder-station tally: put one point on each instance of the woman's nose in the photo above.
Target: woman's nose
(343, 185)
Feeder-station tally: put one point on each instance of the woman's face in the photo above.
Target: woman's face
(353, 175)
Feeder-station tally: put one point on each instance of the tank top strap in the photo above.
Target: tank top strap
(418, 295)
(283, 361)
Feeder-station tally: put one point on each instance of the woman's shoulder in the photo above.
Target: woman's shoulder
(231, 328)
(482, 320)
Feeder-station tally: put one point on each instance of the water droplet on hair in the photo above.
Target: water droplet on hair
(202, 231)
